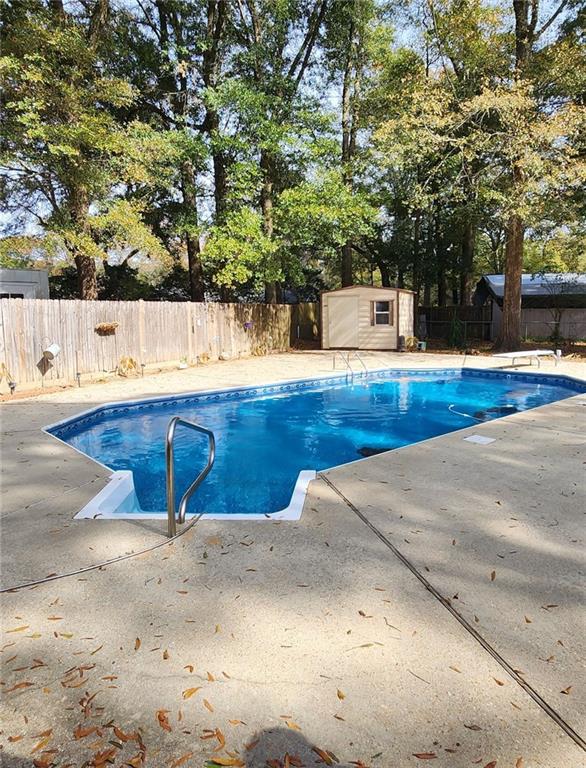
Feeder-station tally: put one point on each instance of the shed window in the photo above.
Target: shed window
(381, 313)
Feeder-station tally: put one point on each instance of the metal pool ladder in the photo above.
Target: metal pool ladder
(172, 520)
(346, 357)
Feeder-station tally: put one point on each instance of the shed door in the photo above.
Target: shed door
(343, 321)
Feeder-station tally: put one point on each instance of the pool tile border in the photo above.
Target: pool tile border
(61, 428)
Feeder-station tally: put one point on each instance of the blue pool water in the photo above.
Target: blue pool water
(265, 438)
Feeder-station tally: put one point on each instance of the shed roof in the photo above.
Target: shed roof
(370, 287)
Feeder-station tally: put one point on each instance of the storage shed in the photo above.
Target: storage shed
(366, 317)
(24, 284)
(553, 305)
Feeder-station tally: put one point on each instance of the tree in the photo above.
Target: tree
(277, 42)
(64, 150)
(526, 35)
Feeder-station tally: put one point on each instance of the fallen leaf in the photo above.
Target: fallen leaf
(221, 739)
(136, 644)
(189, 667)
(528, 620)
(235, 761)
(292, 725)
(80, 732)
(251, 745)
(207, 705)
(236, 722)
(187, 694)
(492, 764)
(42, 743)
(324, 755)
(134, 736)
(493, 575)
(498, 682)
(519, 762)
(181, 760)
(163, 720)
(211, 678)
(340, 694)
(455, 669)
(472, 727)
(18, 686)
(103, 757)
(567, 690)
(137, 761)
(165, 654)
(18, 629)
(425, 755)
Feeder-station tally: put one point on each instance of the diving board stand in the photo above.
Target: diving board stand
(530, 354)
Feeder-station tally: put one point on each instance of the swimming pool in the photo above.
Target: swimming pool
(266, 436)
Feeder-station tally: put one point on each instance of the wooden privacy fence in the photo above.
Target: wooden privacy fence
(94, 336)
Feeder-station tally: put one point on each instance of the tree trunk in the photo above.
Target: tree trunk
(467, 263)
(347, 265)
(427, 293)
(526, 14)
(510, 334)
(416, 252)
(441, 259)
(216, 21)
(196, 284)
(385, 276)
(442, 292)
(266, 204)
(348, 146)
(87, 276)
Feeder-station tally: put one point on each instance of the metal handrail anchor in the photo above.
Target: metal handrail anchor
(172, 520)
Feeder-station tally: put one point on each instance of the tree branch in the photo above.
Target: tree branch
(551, 19)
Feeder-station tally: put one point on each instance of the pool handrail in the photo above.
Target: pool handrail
(173, 519)
(346, 360)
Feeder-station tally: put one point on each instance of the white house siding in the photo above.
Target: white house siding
(539, 323)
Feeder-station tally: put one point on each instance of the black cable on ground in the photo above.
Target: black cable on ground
(537, 698)
(101, 565)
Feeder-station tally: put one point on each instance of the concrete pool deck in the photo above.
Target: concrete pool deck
(315, 625)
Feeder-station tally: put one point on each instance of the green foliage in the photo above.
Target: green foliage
(456, 333)
(159, 137)
(321, 216)
(238, 250)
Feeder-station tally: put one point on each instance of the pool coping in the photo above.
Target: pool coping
(119, 490)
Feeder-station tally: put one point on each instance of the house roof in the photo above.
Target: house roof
(544, 284)
(564, 289)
